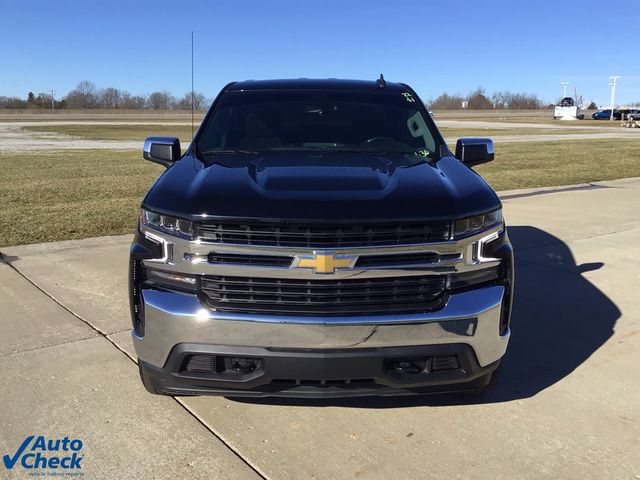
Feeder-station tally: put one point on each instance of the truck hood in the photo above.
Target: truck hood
(338, 187)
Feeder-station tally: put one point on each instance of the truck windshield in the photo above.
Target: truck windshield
(308, 120)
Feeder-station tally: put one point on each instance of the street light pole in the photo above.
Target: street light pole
(52, 103)
(613, 93)
(564, 93)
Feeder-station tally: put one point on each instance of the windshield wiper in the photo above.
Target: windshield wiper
(337, 150)
(225, 152)
(373, 152)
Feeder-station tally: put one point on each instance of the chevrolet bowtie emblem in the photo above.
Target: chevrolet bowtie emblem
(324, 262)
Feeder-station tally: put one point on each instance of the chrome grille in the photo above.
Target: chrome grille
(403, 259)
(248, 259)
(395, 260)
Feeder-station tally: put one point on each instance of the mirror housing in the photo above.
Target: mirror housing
(474, 151)
(162, 150)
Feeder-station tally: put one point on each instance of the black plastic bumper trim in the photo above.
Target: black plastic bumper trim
(324, 373)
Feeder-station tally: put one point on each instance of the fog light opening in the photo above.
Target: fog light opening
(241, 365)
(409, 366)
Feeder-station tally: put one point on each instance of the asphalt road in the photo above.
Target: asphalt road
(565, 406)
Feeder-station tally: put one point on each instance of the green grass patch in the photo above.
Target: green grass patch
(118, 132)
(49, 196)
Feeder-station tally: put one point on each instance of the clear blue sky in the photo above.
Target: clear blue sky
(434, 46)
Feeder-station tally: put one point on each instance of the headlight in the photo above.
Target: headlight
(472, 225)
(474, 277)
(177, 227)
(169, 280)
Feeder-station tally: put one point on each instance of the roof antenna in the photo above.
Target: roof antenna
(380, 82)
(193, 103)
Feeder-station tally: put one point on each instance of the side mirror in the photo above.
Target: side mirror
(474, 151)
(162, 150)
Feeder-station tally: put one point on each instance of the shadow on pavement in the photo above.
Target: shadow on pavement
(559, 319)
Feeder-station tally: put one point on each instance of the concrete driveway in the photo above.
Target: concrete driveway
(566, 404)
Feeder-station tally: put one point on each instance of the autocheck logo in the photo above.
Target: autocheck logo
(38, 452)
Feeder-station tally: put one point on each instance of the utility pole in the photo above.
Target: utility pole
(52, 103)
(564, 84)
(613, 79)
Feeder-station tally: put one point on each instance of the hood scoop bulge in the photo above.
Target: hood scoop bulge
(307, 176)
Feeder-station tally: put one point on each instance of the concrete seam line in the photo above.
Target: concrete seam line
(546, 191)
(4, 355)
(104, 334)
(58, 302)
(593, 184)
(178, 401)
(535, 264)
(606, 234)
(581, 239)
(197, 417)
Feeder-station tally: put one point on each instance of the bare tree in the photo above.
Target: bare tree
(200, 101)
(133, 101)
(161, 100)
(140, 101)
(528, 101)
(478, 100)
(500, 99)
(12, 102)
(446, 102)
(111, 97)
(85, 95)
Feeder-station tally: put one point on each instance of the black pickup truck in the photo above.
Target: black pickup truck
(318, 238)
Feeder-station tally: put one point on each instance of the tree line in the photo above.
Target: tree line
(88, 95)
(480, 100)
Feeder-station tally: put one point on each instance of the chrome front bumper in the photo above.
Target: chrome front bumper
(471, 318)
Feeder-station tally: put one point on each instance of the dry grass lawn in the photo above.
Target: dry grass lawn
(451, 132)
(538, 164)
(51, 196)
(118, 132)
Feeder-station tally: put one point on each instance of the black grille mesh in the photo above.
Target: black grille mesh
(327, 236)
(376, 296)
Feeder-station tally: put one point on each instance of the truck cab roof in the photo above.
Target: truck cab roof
(315, 84)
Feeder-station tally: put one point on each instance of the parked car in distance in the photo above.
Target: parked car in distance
(567, 102)
(606, 114)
